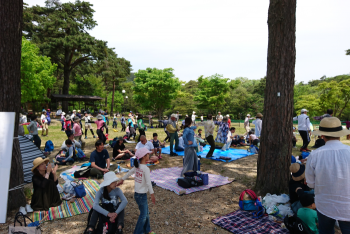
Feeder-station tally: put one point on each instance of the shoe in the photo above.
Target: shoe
(173, 154)
(301, 150)
(113, 159)
(151, 232)
(22, 210)
(29, 209)
(85, 137)
(94, 136)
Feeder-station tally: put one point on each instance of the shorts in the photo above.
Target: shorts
(45, 126)
(88, 126)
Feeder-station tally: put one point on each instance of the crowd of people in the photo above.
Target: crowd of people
(314, 195)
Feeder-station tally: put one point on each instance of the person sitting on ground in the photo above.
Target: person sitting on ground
(294, 139)
(157, 146)
(75, 143)
(78, 132)
(319, 142)
(199, 132)
(146, 144)
(109, 196)
(240, 141)
(45, 180)
(253, 139)
(308, 213)
(297, 186)
(119, 151)
(33, 130)
(99, 159)
(70, 156)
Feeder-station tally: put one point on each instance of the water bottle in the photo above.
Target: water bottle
(118, 169)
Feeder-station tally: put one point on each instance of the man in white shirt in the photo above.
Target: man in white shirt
(144, 143)
(304, 128)
(209, 127)
(328, 172)
(73, 115)
(219, 117)
(193, 117)
(44, 124)
(258, 124)
(246, 124)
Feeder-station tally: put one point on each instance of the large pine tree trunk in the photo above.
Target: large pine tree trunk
(66, 81)
(276, 140)
(112, 98)
(10, 89)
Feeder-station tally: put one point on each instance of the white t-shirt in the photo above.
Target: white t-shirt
(181, 142)
(148, 145)
(87, 119)
(258, 126)
(43, 118)
(201, 117)
(142, 179)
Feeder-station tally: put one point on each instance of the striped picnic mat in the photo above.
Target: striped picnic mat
(67, 209)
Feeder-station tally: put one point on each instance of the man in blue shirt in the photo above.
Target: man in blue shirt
(100, 162)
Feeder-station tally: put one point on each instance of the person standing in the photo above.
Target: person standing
(304, 128)
(173, 129)
(141, 127)
(79, 116)
(190, 159)
(68, 126)
(228, 120)
(33, 130)
(63, 120)
(115, 123)
(246, 124)
(258, 124)
(131, 127)
(209, 127)
(122, 121)
(78, 132)
(44, 124)
(48, 117)
(73, 115)
(223, 131)
(193, 117)
(88, 126)
(328, 172)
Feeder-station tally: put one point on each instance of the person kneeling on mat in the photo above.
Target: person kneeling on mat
(113, 203)
(100, 162)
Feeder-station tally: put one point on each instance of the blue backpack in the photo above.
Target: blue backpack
(305, 154)
(49, 146)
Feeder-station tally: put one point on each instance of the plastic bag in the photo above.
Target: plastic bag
(59, 188)
(68, 188)
(285, 210)
(272, 200)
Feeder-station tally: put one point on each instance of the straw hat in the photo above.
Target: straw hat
(78, 111)
(74, 111)
(140, 153)
(39, 161)
(258, 115)
(331, 127)
(109, 178)
(63, 113)
(298, 171)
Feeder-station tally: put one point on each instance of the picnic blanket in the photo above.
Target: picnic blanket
(242, 222)
(166, 179)
(234, 154)
(67, 209)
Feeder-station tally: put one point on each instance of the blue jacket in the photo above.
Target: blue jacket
(188, 135)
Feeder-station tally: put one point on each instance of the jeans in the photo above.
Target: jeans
(37, 141)
(210, 140)
(143, 223)
(174, 136)
(123, 127)
(62, 122)
(326, 225)
(59, 159)
(115, 124)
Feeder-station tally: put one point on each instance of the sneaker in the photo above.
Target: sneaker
(85, 137)
(173, 154)
(29, 209)
(94, 136)
(22, 210)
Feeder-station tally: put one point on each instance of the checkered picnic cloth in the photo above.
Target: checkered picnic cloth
(166, 179)
(242, 222)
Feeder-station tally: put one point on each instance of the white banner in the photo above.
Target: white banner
(7, 126)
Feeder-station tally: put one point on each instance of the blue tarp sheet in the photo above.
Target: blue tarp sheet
(234, 154)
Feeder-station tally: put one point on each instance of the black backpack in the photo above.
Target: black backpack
(188, 182)
(296, 226)
(82, 172)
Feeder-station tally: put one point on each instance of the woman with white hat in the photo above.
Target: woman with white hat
(142, 186)
(109, 204)
(45, 182)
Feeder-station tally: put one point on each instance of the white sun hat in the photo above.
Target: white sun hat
(303, 110)
(248, 115)
(109, 178)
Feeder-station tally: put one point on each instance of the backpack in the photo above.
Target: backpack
(188, 182)
(305, 154)
(295, 225)
(49, 146)
(251, 205)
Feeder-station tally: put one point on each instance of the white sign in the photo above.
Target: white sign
(7, 126)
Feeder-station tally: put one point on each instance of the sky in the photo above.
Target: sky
(228, 37)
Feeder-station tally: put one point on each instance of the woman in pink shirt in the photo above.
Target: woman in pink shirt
(78, 133)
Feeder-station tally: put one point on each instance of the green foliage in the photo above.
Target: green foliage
(88, 85)
(37, 73)
(212, 92)
(155, 89)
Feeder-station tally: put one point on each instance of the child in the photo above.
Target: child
(200, 133)
(111, 208)
(253, 139)
(157, 146)
(33, 130)
(142, 186)
(199, 138)
(115, 123)
(70, 155)
(308, 214)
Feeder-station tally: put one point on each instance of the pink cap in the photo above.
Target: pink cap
(140, 153)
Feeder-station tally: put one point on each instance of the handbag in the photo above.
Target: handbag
(82, 172)
(79, 189)
(23, 229)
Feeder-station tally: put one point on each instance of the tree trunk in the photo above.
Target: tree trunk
(10, 89)
(276, 139)
(66, 81)
(112, 98)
